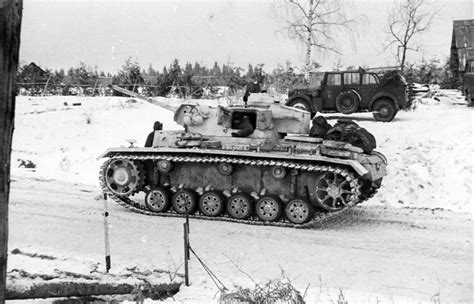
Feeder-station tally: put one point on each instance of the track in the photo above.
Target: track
(319, 218)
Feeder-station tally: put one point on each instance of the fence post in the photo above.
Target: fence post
(46, 86)
(106, 231)
(186, 249)
(186, 255)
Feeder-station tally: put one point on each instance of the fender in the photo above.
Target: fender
(308, 99)
(361, 166)
(384, 94)
(353, 92)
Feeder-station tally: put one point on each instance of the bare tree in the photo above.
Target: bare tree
(407, 20)
(314, 23)
(10, 24)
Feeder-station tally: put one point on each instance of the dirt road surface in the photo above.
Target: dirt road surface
(421, 255)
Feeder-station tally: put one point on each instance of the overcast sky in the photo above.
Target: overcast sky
(63, 33)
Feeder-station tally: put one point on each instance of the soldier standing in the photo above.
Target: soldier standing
(252, 87)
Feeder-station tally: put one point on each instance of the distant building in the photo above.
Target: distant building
(32, 80)
(462, 48)
(33, 73)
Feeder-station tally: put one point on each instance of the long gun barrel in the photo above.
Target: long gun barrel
(149, 99)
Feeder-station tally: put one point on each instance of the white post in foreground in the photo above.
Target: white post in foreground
(106, 231)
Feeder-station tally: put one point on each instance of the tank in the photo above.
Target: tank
(252, 163)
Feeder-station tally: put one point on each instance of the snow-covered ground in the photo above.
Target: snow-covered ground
(429, 150)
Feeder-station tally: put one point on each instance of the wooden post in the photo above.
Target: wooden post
(106, 232)
(186, 249)
(46, 86)
(185, 238)
(133, 90)
(10, 27)
(95, 85)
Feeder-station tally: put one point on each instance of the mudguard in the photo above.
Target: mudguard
(305, 97)
(381, 95)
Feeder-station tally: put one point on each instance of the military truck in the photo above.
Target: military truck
(350, 92)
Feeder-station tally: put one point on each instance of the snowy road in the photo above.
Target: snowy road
(373, 253)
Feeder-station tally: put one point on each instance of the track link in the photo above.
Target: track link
(318, 219)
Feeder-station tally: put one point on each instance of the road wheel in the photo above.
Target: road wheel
(347, 103)
(268, 208)
(184, 199)
(384, 110)
(299, 211)
(239, 206)
(212, 203)
(158, 200)
(302, 104)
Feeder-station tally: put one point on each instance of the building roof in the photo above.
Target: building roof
(462, 43)
(33, 68)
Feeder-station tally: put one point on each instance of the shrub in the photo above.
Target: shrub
(274, 291)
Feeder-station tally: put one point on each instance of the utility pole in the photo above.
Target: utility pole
(10, 27)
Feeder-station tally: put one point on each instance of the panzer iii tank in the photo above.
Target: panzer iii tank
(217, 169)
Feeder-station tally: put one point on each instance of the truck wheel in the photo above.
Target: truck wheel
(301, 104)
(347, 103)
(384, 110)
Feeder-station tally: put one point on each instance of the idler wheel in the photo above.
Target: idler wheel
(184, 199)
(239, 206)
(333, 191)
(122, 177)
(299, 211)
(158, 200)
(268, 208)
(212, 203)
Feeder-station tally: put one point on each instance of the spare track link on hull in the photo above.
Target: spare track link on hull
(319, 218)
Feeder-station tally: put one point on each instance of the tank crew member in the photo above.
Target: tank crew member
(157, 126)
(252, 87)
(242, 122)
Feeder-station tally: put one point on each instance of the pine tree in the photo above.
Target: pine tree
(130, 75)
(151, 71)
(216, 70)
(197, 70)
(250, 71)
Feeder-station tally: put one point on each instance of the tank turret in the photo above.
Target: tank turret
(253, 162)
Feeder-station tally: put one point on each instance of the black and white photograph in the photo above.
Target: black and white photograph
(236, 151)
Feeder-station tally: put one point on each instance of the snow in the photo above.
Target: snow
(28, 269)
(429, 151)
(64, 146)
